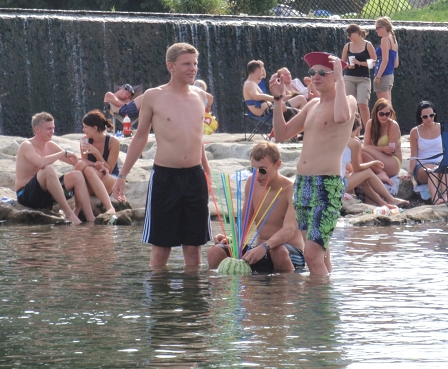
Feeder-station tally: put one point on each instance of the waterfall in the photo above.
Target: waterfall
(64, 62)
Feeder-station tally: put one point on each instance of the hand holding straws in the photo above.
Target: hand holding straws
(234, 223)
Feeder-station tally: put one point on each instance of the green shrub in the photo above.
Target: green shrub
(251, 7)
(197, 6)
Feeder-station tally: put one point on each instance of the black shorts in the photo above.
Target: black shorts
(177, 207)
(33, 196)
(265, 265)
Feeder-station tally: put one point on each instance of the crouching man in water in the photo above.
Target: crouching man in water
(327, 123)
(279, 246)
(177, 204)
(37, 183)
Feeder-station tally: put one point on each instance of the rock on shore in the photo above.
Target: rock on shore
(226, 153)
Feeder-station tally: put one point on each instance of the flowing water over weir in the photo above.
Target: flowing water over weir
(64, 62)
(84, 297)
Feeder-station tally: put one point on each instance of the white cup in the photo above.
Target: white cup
(84, 140)
(392, 144)
(370, 63)
(351, 60)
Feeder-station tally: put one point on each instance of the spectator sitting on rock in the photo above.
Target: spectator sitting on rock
(382, 141)
(362, 174)
(37, 183)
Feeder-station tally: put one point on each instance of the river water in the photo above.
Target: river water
(85, 297)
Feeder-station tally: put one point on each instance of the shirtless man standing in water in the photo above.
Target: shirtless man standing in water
(327, 122)
(177, 204)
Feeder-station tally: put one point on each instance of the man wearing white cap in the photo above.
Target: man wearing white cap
(327, 122)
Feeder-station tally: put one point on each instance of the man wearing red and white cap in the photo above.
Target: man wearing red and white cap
(327, 122)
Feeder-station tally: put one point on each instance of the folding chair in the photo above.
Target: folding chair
(117, 117)
(261, 125)
(438, 175)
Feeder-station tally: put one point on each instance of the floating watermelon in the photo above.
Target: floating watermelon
(233, 266)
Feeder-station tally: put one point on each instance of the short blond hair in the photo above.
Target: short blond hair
(202, 83)
(265, 149)
(37, 120)
(174, 51)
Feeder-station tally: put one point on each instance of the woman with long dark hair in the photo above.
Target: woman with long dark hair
(426, 141)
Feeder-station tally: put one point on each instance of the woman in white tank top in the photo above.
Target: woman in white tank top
(425, 141)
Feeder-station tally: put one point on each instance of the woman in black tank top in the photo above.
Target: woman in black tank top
(99, 157)
(357, 74)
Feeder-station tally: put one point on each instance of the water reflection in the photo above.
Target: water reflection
(85, 297)
(178, 316)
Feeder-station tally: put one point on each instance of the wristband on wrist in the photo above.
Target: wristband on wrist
(121, 176)
(266, 247)
(277, 98)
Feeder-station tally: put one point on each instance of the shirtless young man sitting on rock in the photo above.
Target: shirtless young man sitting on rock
(37, 183)
(327, 123)
(121, 101)
(177, 205)
(280, 244)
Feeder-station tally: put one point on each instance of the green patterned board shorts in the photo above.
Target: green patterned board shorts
(317, 201)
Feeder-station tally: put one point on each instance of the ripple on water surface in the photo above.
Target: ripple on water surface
(85, 297)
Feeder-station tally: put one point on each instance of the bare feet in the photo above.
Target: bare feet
(439, 201)
(396, 201)
(73, 218)
(384, 178)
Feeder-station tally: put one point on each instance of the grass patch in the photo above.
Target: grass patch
(435, 12)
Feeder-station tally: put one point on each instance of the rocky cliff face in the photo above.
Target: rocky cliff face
(64, 62)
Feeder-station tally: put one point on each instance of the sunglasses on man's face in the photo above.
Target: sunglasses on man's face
(381, 114)
(321, 72)
(426, 116)
(260, 170)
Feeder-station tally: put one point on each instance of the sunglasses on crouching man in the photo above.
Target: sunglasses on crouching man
(261, 170)
(321, 72)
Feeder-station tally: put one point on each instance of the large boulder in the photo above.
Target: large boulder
(226, 153)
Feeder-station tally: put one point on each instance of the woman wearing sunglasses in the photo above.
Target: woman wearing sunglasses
(426, 141)
(363, 175)
(387, 59)
(357, 75)
(382, 141)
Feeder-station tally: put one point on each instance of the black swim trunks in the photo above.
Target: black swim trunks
(33, 196)
(265, 265)
(177, 207)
